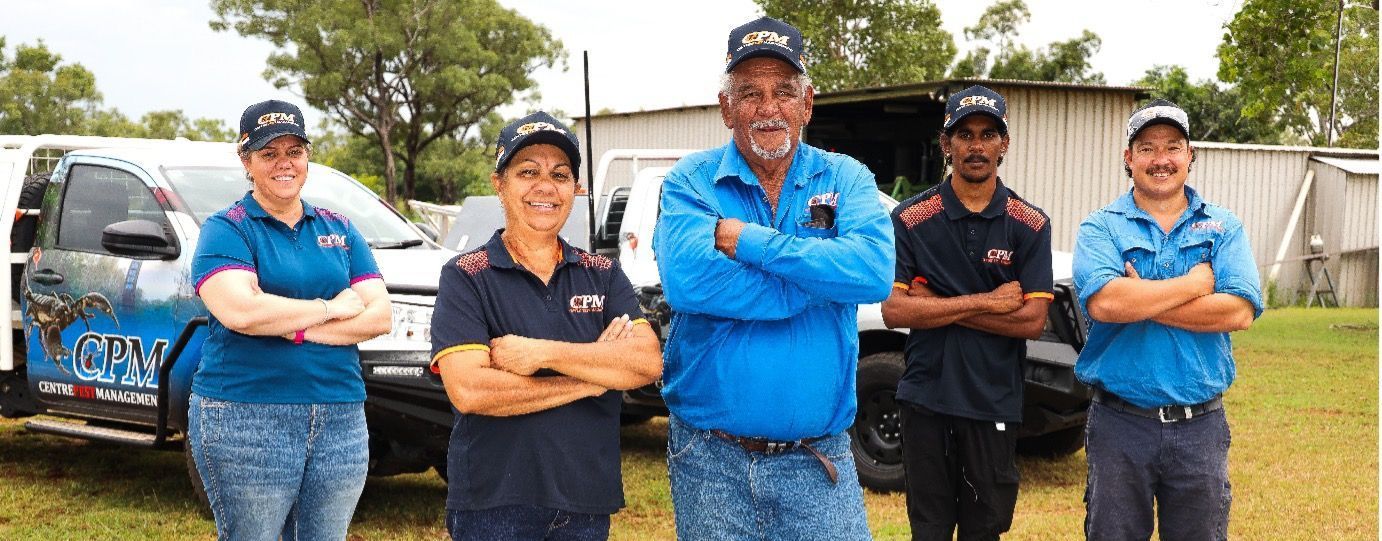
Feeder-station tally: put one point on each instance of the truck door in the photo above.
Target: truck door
(97, 325)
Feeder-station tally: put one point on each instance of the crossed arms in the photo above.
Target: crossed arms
(500, 382)
(1002, 311)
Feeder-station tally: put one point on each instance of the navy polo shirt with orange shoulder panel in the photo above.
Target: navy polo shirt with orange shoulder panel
(953, 369)
(316, 259)
(563, 458)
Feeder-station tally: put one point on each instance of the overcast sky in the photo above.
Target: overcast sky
(160, 54)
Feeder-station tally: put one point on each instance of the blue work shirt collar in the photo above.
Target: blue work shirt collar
(807, 162)
(255, 210)
(955, 209)
(499, 254)
(1127, 206)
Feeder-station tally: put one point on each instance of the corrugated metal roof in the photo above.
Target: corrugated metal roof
(933, 89)
(1362, 153)
(1353, 166)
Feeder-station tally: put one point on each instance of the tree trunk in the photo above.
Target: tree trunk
(386, 143)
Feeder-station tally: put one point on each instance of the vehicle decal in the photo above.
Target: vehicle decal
(50, 314)
(97, 394)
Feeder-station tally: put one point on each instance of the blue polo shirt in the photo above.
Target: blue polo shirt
(954, 369)
(766, 344)
(562, 458)
(317, 259)
(1147, 363)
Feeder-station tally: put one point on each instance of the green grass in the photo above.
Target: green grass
(1304, 463)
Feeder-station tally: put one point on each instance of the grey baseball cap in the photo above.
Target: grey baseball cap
(1158, 112)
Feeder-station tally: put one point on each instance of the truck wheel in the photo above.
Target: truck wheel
(876, 437)
(1053, 444)
(22, 235)
(204, 504)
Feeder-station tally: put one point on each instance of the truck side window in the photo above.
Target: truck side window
(96, 197)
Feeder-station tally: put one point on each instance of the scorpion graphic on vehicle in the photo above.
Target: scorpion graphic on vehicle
(49, 314)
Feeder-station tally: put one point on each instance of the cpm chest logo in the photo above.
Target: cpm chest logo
(585, 304)
(999, 256)
(332, 241)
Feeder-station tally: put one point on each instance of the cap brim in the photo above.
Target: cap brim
(546, 137)
(1002, 124)
(1159, 120)
(768, 51)
(262, 140)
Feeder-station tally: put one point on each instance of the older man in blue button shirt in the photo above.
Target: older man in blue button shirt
(766, 246)
(1165, 276)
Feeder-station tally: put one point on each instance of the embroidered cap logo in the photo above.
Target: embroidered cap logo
(277, 118)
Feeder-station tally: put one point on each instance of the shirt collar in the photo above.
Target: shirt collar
(955, 209)
(499, 254)
(255, 210)
(1127, 206)
(807, 162)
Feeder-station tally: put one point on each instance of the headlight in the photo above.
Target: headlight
(412, 322)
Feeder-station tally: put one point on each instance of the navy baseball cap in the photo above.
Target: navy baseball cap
(976, 99)
(1158, 112)
(534, 129)
(765, 36)
(269, 120)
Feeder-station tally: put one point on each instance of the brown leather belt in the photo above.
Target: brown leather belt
(773, 447)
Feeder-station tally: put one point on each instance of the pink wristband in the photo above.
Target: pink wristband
(298, 336)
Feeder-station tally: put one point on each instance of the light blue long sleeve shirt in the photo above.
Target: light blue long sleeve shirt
(1145, 362)
(766, 344)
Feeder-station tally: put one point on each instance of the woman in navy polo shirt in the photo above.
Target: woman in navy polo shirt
(277, 421)
(534, 339)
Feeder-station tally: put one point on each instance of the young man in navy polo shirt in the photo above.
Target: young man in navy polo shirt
(973, 283)
(1164, 277)
(534, 338)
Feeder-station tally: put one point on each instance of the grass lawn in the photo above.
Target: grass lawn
(1304, 463)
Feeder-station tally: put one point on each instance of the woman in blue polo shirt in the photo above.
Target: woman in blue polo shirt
(277, 421)
(534, 339)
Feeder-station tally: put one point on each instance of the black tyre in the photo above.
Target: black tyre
(876, 436)
(204, 504)
(22, 234)
(1056, 444)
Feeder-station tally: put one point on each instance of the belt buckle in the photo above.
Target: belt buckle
(1161, 414)
(775, 447)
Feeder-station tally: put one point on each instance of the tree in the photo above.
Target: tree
(864, 43)
(1066, 61)
(405, 73)
(1215, 110)
(172, 124)
(1281, 54)
(37, 95)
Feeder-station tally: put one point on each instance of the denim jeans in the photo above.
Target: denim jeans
(722, 492)
(294, 470)
(525, 523)
(1134, 460)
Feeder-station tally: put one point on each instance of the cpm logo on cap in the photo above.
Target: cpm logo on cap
(979, 100)
(534, 127)
(766, 37)
(277, 118)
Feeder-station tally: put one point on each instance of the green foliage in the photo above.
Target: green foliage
(406, 74)
(1065, 61)
(1281, 52)
(1216, 111)
(39, 94)
(864, 43)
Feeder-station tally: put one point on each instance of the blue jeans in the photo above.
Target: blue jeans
(1134, 460)
(525, 522)
(270, 470)
(722, 492)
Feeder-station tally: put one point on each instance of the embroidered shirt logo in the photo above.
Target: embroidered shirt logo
(581, 304)
(830, 199)
(1001, 257)
(1216, 226)
(332, 241)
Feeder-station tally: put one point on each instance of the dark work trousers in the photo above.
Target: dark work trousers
(1182, 465)
(960, 472)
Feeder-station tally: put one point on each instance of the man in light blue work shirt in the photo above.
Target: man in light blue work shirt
(766, 247)
(1165, 276)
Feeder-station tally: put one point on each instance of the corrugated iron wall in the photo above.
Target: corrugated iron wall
(1343, 212)
(689, 127)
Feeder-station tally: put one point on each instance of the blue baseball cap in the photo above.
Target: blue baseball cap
(765, 36)
(1158, 112)
(269, 120)
(534, 129)
(976, 99)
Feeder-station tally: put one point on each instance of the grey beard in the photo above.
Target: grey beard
(774, 154)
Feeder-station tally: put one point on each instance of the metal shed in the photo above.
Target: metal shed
(1066, 156)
